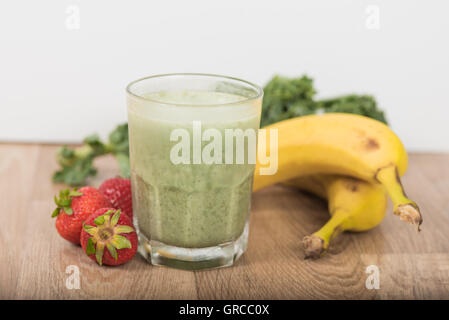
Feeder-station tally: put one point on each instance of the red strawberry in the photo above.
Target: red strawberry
(118, 191)
(108, 229)
(73, 207)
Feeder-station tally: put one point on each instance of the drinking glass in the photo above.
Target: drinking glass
(193, 144)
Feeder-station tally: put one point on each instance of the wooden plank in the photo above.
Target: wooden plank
(34, 258)
(17, 166)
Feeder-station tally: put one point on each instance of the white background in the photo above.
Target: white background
(58, 84)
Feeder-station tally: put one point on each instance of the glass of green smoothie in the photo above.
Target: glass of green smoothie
(193, 144)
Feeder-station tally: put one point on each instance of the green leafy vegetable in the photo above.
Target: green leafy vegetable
(286, 98)
(77, 163)
(358, 104)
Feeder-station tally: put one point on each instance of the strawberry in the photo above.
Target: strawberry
(73, 207)
(118, 191)
(109, 228)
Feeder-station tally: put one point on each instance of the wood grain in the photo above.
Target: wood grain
(33, 258)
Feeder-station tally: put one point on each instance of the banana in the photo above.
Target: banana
(343, 144)
(354, 205)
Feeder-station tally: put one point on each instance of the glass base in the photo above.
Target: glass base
(223, 255)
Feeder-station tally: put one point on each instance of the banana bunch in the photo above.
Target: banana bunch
(350, 160)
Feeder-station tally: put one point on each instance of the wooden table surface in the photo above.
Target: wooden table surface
(34, 259)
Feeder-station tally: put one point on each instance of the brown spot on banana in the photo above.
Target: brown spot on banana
(372, 144)
(352, 184)
(368, 143)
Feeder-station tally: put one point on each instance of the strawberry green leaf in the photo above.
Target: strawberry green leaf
(115, 218)
(109, 212)
(75, 194)
(65, 202)
(90, 229)
(99, 253)
(99, 220)
(123, 229)
(106, 218)
(55, 212)
(112, 251)
(90, 248)
(120, 242)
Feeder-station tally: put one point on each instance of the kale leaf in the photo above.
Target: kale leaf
(286, 98)
(77, 163)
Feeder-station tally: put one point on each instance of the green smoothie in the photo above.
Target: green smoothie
(189, 205)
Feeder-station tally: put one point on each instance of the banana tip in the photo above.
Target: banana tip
(313, 247)
(410, 213)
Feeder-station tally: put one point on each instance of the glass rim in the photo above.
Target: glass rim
(258, 89)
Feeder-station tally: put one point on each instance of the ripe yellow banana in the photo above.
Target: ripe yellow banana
(344, 144)
(354, 205)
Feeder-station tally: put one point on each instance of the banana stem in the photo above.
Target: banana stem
(316, 245)
(406, 209)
